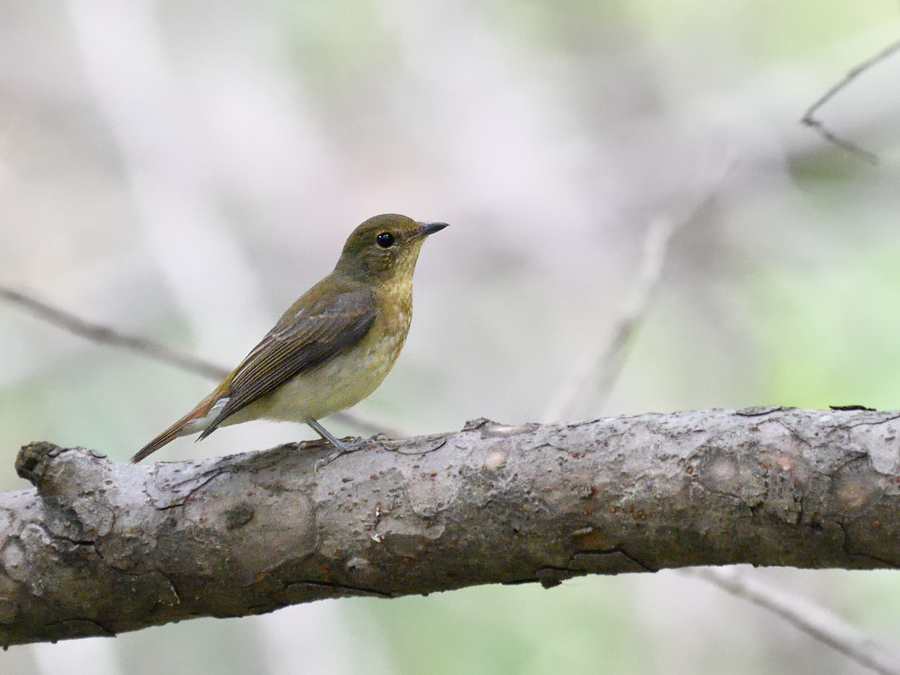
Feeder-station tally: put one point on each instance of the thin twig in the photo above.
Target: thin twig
(157, 351)
(805, 615)
(810, 120)
(587, 390)
(586, 394)
(101, 334)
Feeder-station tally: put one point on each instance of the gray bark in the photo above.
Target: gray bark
(101, 547)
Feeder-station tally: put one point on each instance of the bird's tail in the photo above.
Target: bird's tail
(189, 424)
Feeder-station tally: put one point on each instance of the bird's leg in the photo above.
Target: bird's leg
(327, 435)
(339, 445)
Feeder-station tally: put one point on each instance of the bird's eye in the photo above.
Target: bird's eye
(385, 240)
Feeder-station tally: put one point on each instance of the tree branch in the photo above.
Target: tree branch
(101, 547)
(111, 337)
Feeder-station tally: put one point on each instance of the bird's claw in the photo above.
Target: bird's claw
(343, 449)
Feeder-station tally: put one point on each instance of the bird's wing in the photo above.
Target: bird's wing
(302, 339)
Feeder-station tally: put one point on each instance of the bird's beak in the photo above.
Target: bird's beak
(429, 228)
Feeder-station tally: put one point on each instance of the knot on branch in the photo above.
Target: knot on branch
(32, 460)
(75, 508)
(57, 471)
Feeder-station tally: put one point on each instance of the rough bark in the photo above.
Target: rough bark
(101, 547)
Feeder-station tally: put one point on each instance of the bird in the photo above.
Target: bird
(331, 348)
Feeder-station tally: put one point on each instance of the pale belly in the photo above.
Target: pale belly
(335, 385)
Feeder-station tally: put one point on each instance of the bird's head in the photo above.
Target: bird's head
(385, 247)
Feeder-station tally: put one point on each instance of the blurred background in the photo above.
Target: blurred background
(185, 169)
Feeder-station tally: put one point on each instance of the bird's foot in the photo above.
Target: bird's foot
(342, 448)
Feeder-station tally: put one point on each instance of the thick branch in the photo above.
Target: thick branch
(102, 547)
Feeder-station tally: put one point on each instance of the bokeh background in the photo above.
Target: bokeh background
(184, 169)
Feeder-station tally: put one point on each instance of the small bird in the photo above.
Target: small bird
(332, 347)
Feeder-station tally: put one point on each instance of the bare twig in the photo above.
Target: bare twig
(805, 615)
(810, 119)
(156, 351)
(585, 394)
(101, 334)
(587, 390)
